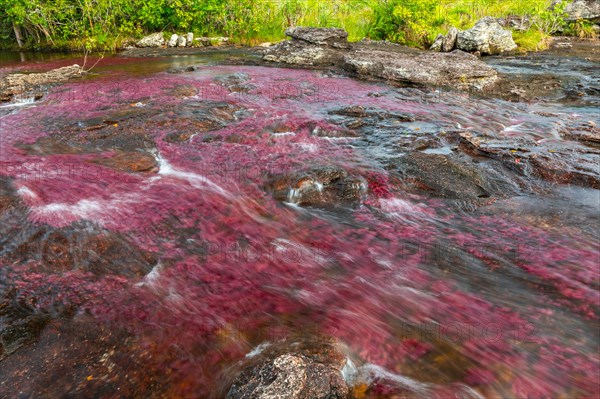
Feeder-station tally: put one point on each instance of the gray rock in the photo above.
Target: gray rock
(581, 9)
(382, 60)
(300, 53)
(173, 40)
(153, 40)
(181, 41)
(438, 43)
(463, 71)
(449, 42)
(333, 37)
(189, 39)
(487, 37)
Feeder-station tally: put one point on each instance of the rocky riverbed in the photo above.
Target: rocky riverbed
(218, 225)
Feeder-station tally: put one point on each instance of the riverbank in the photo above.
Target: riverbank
(416, 24)
(539, 84)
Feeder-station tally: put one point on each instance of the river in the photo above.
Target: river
(159, 224)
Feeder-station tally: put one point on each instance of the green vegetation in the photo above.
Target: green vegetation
(108, 24)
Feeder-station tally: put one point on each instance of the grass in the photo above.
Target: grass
(411, 22)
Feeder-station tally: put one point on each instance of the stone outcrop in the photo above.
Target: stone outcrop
(445, 43)
(296, 52)
(321, 47)
(333, 37)
(487, 37)
(20, 83)
(456, 69)
(153, 40)
(581, 9)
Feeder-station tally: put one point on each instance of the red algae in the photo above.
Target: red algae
(462, 301)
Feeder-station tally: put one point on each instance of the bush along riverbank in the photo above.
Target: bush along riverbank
(115, 24)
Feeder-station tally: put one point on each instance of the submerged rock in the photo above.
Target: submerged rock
(456, 176)
(324, 186)
(80, 246)
(20, 83)
(293, 371)
(135, 161)
(104, 361)
(487, 37)
(153, 40)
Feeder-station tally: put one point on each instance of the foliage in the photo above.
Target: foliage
(105, 24)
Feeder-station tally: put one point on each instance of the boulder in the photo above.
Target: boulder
(438, 43)
(581, 9)
(487, 37)
(445, 43)
(450, 40)
(153, 40)
(181, 41)
(173, 40)
(189, 39)
(293, 371)
(456, 69)
(333, 37)
(300, 53)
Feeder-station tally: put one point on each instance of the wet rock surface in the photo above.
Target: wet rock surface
(374, 250)
(101, 362)
(455, 176)
(300, 370)
(319, 187)
(22, 84)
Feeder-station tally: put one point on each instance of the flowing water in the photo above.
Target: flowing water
(157, 228)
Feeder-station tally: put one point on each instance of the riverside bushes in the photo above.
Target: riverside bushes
(107, 24)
